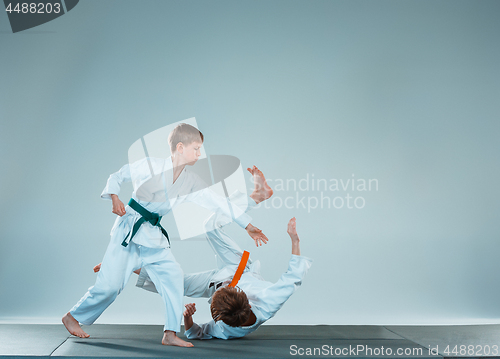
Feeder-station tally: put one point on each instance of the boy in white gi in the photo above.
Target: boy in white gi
(236, 311)
(137, 238)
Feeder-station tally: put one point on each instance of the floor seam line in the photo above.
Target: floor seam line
(59, 346)
(414, 342)
(393, 332)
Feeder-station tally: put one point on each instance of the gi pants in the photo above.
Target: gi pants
(118, 264)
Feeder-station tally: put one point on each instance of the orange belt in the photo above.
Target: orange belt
(241, 268)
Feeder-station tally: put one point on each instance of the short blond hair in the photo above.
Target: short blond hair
(184, 133)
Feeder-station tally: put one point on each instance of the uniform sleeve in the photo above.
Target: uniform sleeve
(273, 297)
(205, 331)
(138, 172)
(115, 181)
(215, 203)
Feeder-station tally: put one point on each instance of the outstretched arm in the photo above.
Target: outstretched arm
(213, 202)
(273, 297)
(204, 196)
(292, 232)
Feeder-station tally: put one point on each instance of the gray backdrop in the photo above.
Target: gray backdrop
(406, 93)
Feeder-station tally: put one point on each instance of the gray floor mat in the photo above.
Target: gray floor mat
(31, 340)
(278, 341)
(484, 339)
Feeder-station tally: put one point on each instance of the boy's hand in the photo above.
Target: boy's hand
(188, 315)
(256, 235)
(97, 268)
(292, 232)
(292, 229)
(118, 207)
(190, 309)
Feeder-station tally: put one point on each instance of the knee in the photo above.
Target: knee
(210, 223)
(216, 222)
(106, 289)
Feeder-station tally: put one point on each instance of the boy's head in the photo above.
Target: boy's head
(230, 305)
(184, 134)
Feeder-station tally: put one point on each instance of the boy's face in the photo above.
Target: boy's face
(191, 153)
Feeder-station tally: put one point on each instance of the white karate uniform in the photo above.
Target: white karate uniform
(264, 297)
(153, 190)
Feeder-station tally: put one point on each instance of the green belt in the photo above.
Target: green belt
(147, 216)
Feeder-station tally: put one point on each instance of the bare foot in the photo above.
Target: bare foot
(262, 191)
(170, 338)
(73, 327)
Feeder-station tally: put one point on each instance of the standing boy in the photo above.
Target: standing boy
(137, 238)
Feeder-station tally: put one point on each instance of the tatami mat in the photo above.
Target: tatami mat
(274, 341)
